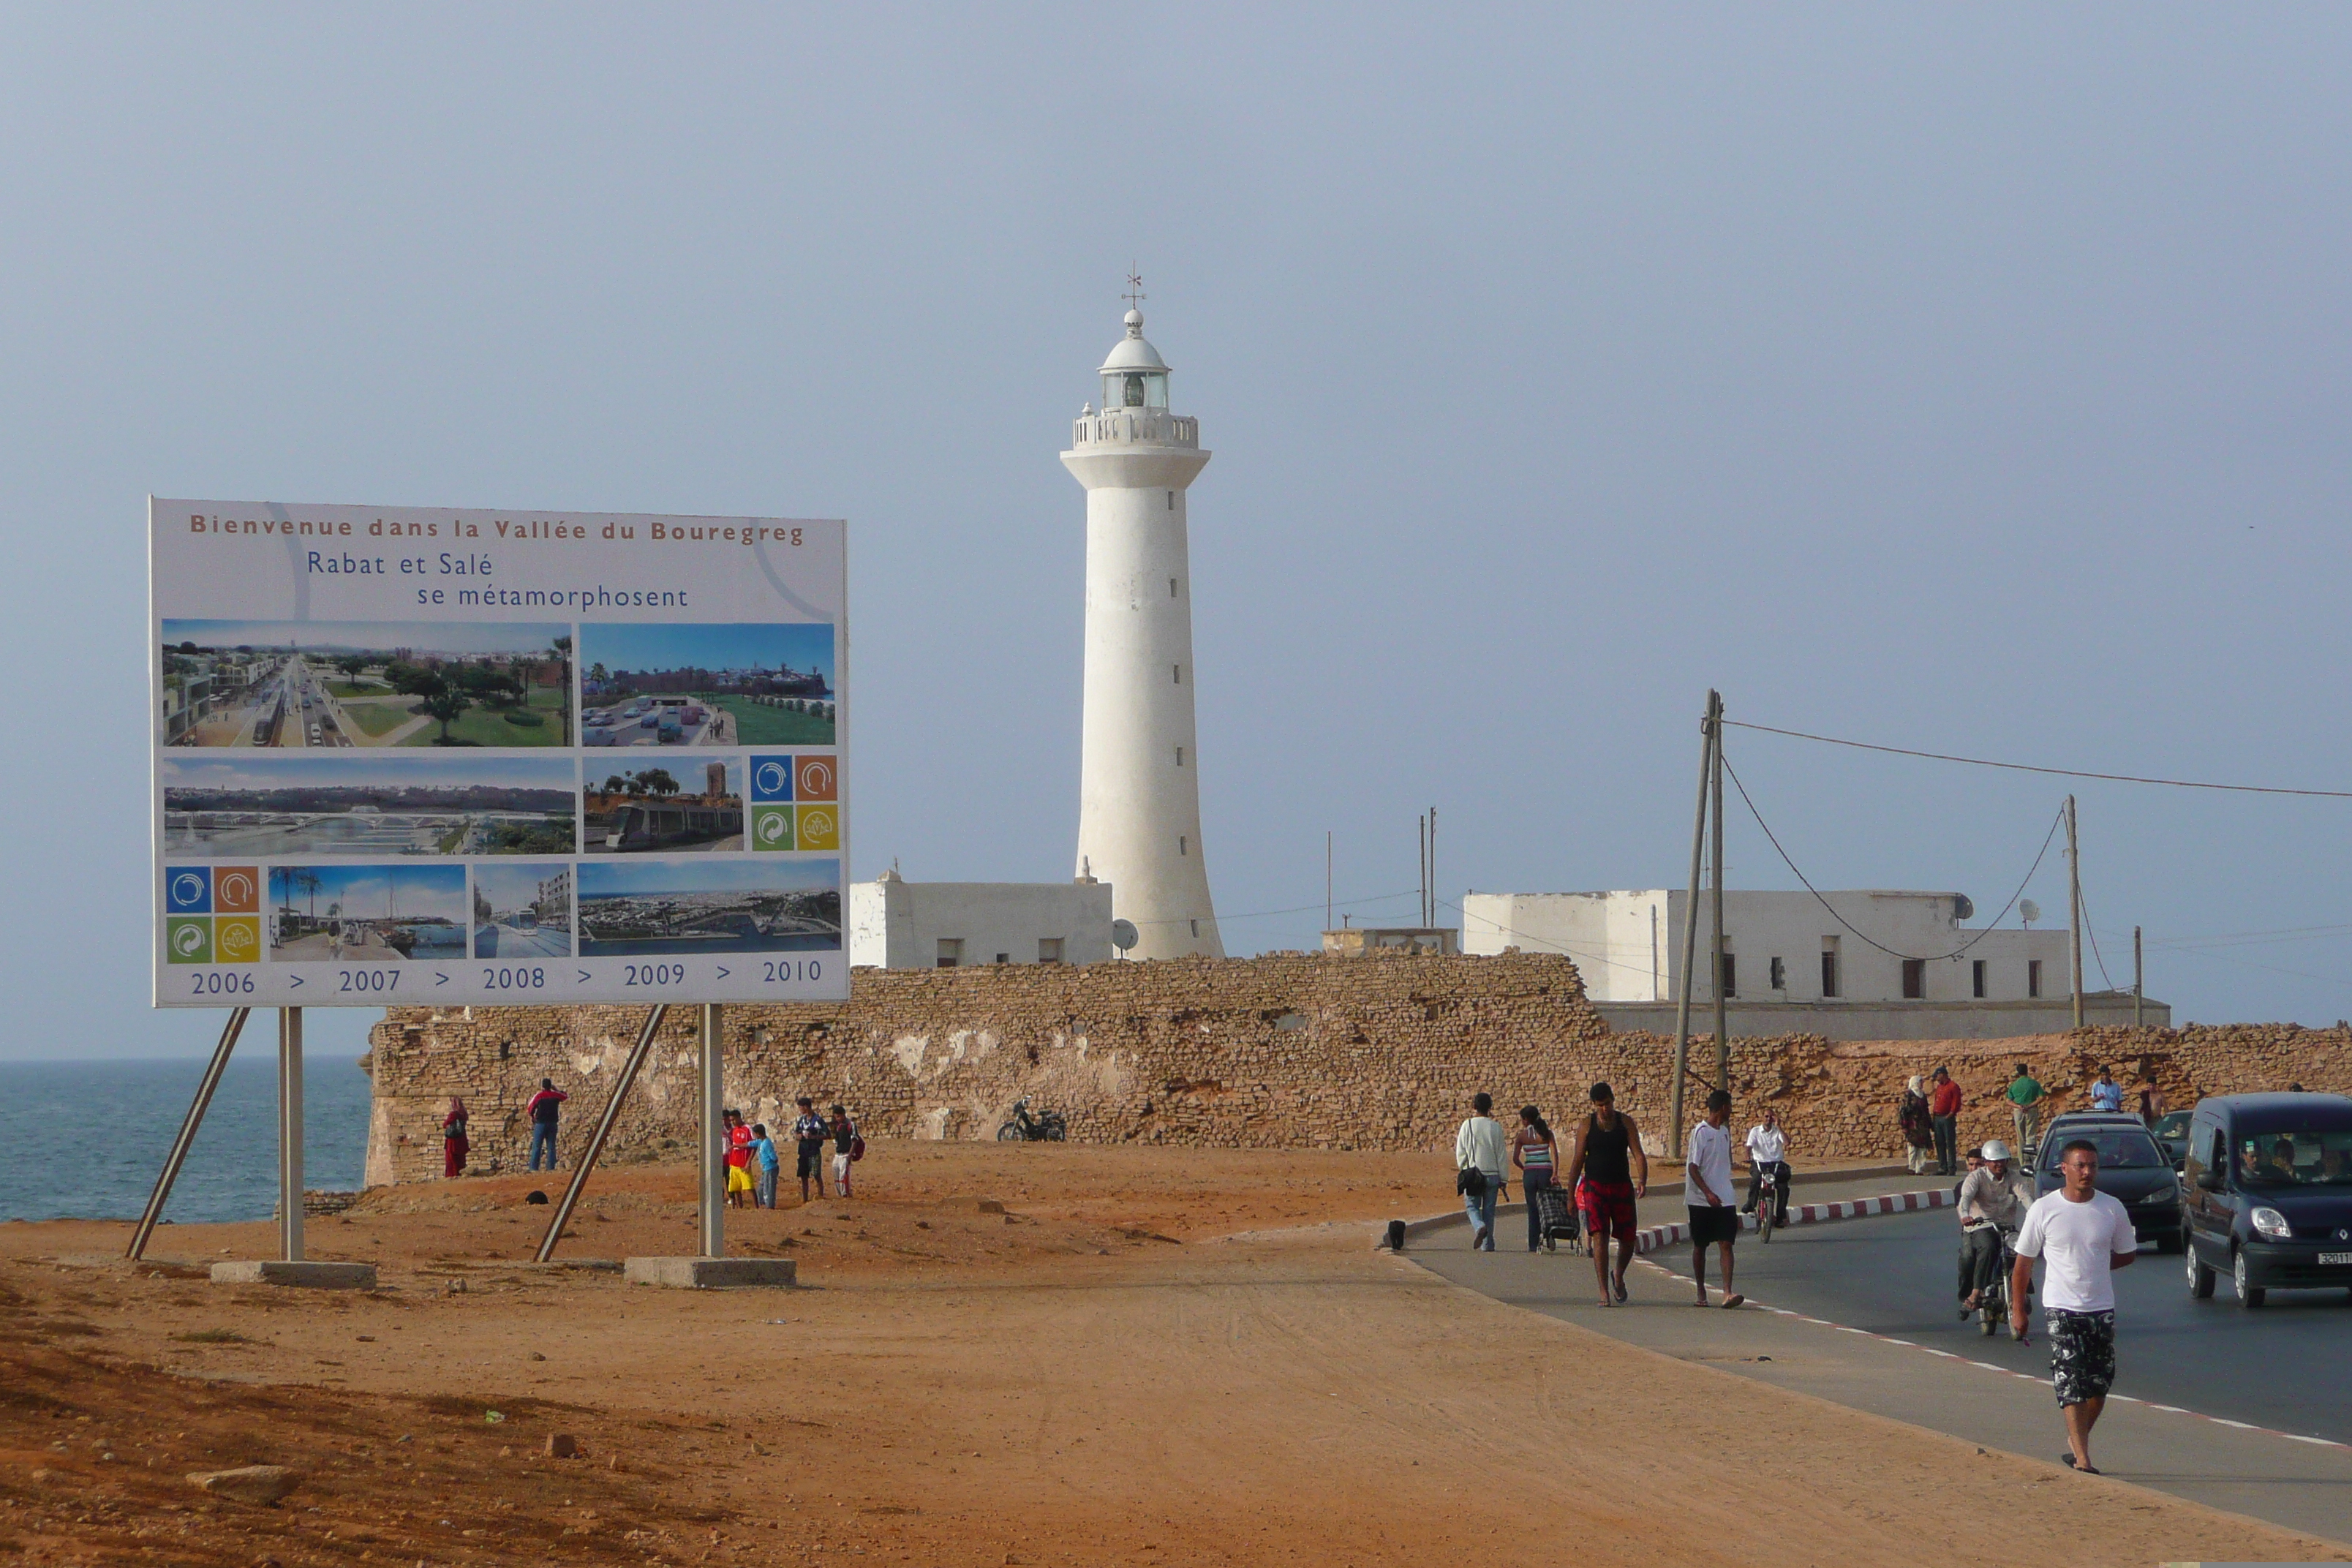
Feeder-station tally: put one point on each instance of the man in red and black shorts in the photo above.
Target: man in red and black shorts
(1608, 1172)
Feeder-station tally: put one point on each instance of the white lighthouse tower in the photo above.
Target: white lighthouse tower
(1139, 808)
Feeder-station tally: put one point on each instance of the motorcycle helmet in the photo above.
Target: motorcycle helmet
(1995, 1150)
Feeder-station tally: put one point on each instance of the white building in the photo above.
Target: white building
(897, 924)
(1139, 808)
(1784, 953)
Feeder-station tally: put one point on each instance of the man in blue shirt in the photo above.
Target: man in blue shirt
(764, 1157)
(2107, 1094)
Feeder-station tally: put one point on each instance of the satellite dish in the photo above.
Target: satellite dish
(1963, 907)
(1123, 935)
(2029, 912)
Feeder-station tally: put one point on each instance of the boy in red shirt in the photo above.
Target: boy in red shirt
(1944, 1116)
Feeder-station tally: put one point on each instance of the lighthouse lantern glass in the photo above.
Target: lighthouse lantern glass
(1135, 389)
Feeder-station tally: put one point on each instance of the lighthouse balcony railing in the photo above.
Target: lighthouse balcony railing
(1136, 428)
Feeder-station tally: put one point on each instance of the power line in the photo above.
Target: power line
(1295, 910)
(1857, 930)
(2030, 768)
(1548, 946)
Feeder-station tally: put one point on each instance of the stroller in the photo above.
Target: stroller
(1557, 1218)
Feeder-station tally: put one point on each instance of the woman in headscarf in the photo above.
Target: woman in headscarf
(454, 1146)
(1918, 1130)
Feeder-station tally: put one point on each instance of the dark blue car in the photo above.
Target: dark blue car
(2268, 1184)
(2133, 1170)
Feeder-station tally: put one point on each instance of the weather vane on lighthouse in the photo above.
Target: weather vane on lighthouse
(1134, 295)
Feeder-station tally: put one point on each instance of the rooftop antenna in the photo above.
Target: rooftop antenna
(1134, 295)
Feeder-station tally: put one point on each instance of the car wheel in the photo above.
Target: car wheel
(2201, 1278)
(2249, 1296)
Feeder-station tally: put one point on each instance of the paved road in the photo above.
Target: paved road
(502, 941)
(2285, 1367)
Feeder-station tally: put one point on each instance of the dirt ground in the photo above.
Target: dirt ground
(1149, 1356)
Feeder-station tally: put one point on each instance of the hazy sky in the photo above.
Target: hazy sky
(1968, 378)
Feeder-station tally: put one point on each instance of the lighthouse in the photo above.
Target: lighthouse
(1138, 803)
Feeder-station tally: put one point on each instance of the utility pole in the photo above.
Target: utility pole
(1421, 851)
(2075, 902)
(1327, 878)
(1690, 932)
(1430, 919)
(1722, 1025)
(2138, 992)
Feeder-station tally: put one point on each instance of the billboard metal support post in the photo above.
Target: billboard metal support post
(180, 1145)
(1690, 932)
(290, 1133)
(604, 1131)
(714, 1138)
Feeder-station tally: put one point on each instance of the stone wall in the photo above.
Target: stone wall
(1283, 1051)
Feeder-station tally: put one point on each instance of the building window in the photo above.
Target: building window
(1176, 672)
(1049, 949)
(1830, 966)
(1914, 980)
(1003, 958)
(1172, 500)
(1730, 974)
(2033, 977)
(1179, 756)
(1196, 928)
(1182, 842)
(1172, 587)
(1779, 976)
(950, 951)
(1976, 979)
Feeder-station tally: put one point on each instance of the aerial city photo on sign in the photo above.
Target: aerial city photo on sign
(359, 765)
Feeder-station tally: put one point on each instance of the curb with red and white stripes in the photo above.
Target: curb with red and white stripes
(1658, 1235)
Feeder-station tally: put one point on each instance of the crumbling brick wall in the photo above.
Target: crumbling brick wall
(1287, 1050)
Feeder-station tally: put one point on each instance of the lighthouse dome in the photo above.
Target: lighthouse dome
(1134, 375)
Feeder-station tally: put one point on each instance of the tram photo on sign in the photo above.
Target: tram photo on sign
(443, 757)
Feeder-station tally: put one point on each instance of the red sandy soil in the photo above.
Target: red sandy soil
(1091, 1376)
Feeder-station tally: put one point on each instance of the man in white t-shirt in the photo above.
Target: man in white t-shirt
(2084, 1235)
(1767, 1149)
(1479, 1145)
(1707, 1191)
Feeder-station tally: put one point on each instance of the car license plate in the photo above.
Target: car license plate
(2327, 1260)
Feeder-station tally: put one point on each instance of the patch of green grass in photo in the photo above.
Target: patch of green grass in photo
(378, 718)
(757, 724)
(359, 689)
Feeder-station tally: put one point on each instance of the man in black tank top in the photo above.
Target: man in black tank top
(1608, 1172)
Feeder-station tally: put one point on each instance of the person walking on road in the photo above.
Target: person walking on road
(2025, 1097)
(1533, 1153)
(1993, 1199)
(454, 1146)
(1478, 1147)
(809, 1133)
(1767, 1167)
(2084, 1235)
(1707, 1191)
(1911, 1116)
(1607, 1173)
(2107, 1094)
(765, 1162)
(544, 1108)
(1944, 1113)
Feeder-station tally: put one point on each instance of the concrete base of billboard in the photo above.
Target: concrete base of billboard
(277, 1271)
(712, 1273)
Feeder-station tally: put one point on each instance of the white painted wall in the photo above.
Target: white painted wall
(896, 924)
(1608, 935)
(1138, 805)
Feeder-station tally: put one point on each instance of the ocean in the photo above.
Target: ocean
(86, 1140)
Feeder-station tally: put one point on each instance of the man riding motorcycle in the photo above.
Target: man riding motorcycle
(1993, 1200)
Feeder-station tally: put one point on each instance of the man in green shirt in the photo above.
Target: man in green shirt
(2025, 1097)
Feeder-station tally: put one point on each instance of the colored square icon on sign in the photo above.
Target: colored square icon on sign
(188, 890)
(820, 828)
(771, 778)
(236, 890)
(772, 828)
(237, 939)
(815, 778)
(188, 939)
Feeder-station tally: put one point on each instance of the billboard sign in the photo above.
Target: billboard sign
(452, 757)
